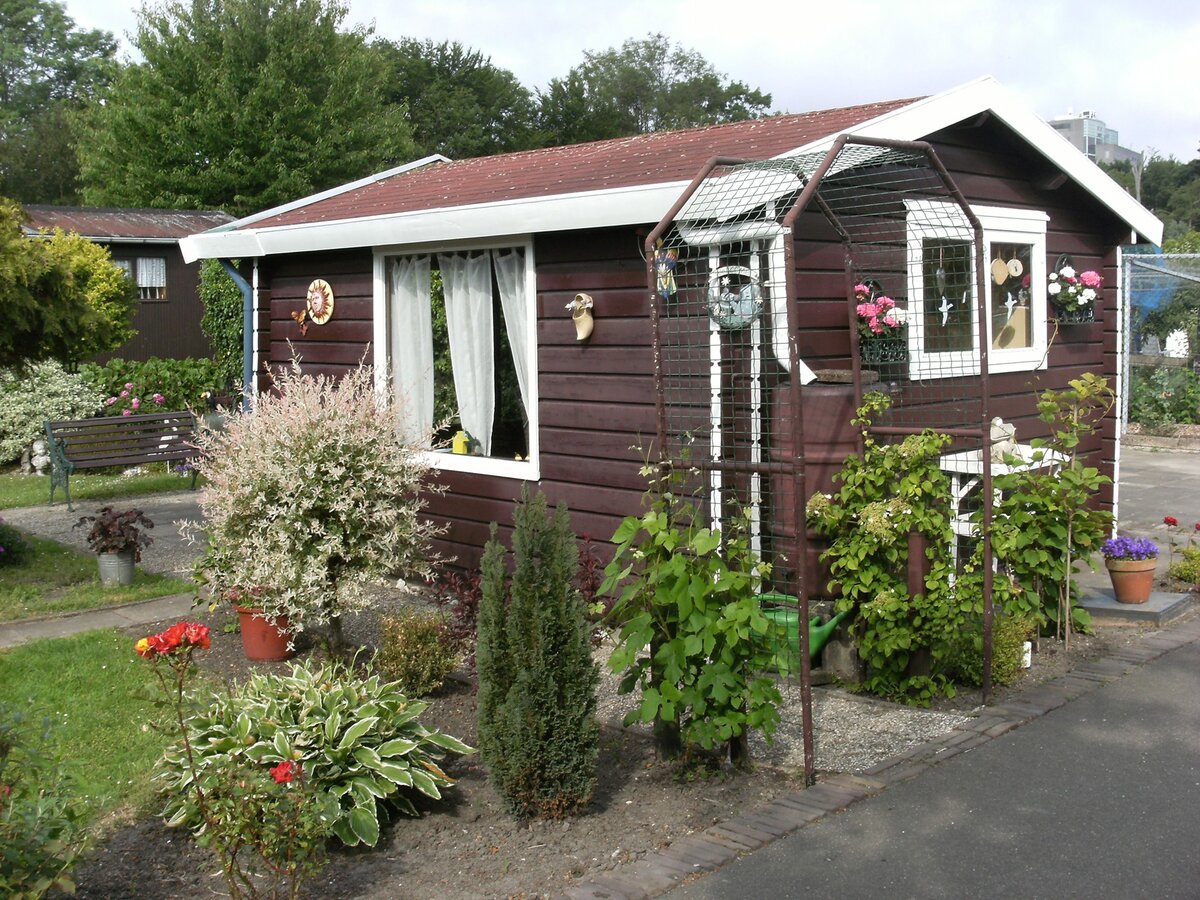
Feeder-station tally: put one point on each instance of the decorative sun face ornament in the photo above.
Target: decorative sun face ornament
(319, 301)
(734, 297)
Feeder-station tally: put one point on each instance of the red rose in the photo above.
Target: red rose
(284, 772)
(1170, 520)
(197, 635)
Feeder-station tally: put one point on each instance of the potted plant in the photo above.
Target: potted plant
(266, 636)
(1131, 562)
(882, 326)
(1074, 294)
(118, 539)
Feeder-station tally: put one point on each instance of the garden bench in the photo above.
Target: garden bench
(118, 441)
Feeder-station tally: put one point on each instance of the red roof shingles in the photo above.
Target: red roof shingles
(602, 165)
(105, 224)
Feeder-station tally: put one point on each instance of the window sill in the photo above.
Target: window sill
(444, 460)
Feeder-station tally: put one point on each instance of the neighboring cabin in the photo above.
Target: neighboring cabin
(145, 242)
(515, 237)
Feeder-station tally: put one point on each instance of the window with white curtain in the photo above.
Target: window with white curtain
(150, 273)
(459, 327)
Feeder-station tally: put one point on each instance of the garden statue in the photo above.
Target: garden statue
(1004, 439)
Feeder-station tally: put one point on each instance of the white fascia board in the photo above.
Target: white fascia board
(925, 117)
(591, 209)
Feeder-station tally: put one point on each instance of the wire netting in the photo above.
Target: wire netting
(748, 310)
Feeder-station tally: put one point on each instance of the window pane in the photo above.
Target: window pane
(946, 301)
(1010, 296)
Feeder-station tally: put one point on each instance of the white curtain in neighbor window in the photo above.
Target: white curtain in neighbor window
(152, 271)
(510, 275)
(412, 347)
(467, 281)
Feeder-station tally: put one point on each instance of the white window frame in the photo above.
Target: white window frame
(1001, 225)
(528, 469)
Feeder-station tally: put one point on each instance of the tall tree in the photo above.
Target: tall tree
(646, 85)
(48, 69)
(459, 104)
(242, 105)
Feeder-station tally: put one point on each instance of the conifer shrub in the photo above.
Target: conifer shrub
(417, 651)
(537, 682)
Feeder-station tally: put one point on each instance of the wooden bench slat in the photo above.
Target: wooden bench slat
(118, 441)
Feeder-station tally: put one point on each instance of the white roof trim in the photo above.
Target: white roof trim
(924, 117)
(646, 203)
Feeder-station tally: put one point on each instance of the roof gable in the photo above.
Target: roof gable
(616, 182)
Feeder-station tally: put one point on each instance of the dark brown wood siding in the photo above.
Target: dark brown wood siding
(597, 404)
(168, 328)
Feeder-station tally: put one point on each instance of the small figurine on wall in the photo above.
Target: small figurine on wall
(581, 313)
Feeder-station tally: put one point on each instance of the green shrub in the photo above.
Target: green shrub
(965, 657)
(892, 490)
(356, 739)
(222, 321)
(1164, 395)
(537, 681)
(416, 651)
(14, 549)
(1187, 569)
(44, 391)
(181, 382)
(693, 636)
(42, 828)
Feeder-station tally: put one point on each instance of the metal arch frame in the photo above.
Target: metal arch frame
(809, 195)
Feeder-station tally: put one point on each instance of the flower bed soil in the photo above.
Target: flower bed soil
(468, 846)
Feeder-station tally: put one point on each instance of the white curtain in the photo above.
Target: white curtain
(468, 288)
(152, 271)
(412, 347)
(510, 276)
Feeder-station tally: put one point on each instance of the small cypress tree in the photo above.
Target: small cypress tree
(537, 681)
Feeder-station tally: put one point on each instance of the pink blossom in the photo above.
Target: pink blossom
(862, 290)
(128, 386)
(873, 324)
(867, 310)
(159, 399)
(124, 393)
(110, 401)
(136, 404)
(127, 412)
(1091, 279)
(884, 303)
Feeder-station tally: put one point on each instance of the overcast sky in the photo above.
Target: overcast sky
(1133, 63)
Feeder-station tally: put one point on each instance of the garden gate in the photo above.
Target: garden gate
(762, 264)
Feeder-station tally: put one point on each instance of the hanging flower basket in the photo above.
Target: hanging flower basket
(880, 350)
(1077, 315)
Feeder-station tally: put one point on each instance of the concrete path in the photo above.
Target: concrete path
(170, 554)
(1095, 799)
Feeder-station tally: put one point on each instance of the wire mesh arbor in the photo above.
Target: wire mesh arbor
(734, 304)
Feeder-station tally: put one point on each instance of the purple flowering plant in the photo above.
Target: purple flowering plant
(1129, 548)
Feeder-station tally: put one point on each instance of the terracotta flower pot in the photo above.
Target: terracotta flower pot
(1132, 579)
(264, 640)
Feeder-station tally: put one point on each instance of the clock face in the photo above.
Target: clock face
(320, 301)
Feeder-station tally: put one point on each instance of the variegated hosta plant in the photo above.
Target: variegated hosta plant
(357, 740)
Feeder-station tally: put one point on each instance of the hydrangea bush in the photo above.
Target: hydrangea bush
(311, 495)
(45, 391)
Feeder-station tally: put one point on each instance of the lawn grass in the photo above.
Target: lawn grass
(95, 692)
(17, 490)
(58, 579)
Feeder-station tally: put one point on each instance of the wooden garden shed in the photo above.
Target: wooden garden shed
(464, 273)
(145, 243)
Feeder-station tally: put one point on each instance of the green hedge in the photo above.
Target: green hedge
(182, 382)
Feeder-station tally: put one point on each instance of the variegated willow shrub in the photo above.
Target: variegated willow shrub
(356, 740)
(311, 495)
